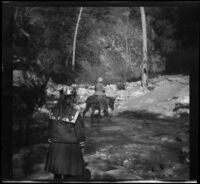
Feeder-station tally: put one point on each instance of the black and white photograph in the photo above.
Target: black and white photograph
(99, 92)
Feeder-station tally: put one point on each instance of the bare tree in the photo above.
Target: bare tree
(144, 60)
(75, 35)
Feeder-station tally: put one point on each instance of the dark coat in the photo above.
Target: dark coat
(66, 132)
(65, 156)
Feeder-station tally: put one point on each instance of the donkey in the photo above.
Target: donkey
(99, 104)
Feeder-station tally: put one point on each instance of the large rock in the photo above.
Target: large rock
(137, 93)
(182, 106)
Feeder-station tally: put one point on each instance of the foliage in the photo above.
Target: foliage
(120, 47)
(161, 24)
(89, 73)
(49, 60)
(121, 86)
(105, 40)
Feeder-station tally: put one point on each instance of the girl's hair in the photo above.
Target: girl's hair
(61, 106)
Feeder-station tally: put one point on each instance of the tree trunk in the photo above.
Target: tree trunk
(144, 38)
(75, 35)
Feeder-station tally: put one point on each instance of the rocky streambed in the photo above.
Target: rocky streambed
(147, 138)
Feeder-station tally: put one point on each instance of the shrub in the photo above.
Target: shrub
(121, 86)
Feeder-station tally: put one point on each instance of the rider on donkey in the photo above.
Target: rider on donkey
(99, 89)
(100, 92)
(99, 101)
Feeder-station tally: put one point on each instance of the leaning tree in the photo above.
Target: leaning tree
(75, 35)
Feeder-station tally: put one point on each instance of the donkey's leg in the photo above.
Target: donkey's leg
(99, 114)
(105, 109)
(92, 115)
(107, 114)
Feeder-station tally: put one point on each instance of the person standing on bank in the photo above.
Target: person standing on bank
(66, 131)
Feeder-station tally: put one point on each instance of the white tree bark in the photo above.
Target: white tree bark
(144, 33)
(144, 38)
(75, 35)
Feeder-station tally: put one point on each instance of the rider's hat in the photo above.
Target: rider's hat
(100, 79)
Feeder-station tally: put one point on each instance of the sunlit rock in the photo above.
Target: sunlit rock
(167, 139)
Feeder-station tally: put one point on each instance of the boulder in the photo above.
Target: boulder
(168, 172)
(137, 93)
(128, 163)
(184, 100)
